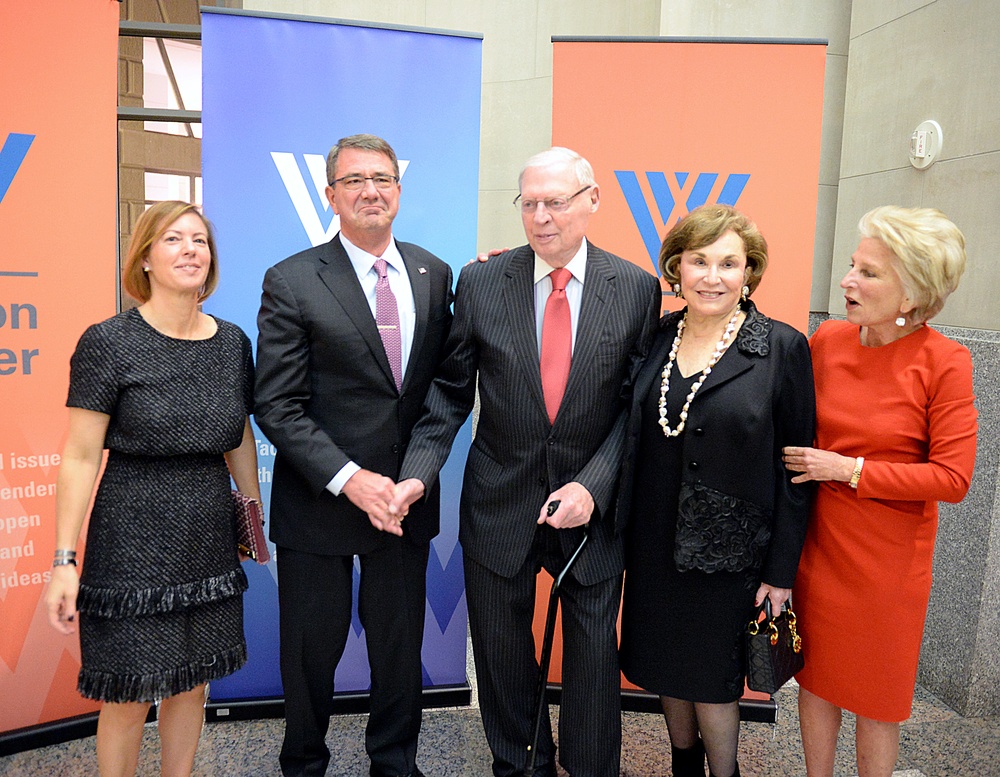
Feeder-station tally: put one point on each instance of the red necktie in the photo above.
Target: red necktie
(387, 320)
(557, 343)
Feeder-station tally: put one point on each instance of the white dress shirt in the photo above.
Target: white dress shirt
(574, 291)
(399, 281)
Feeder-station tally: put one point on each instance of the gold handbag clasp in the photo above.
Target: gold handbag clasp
(796, 639)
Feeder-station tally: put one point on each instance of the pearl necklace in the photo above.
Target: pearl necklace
(720, 348)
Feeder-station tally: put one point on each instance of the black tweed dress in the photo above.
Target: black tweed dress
(161, 592)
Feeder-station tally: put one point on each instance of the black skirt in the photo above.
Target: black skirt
(682, 632)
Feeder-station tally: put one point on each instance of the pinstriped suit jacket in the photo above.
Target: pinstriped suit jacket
(518, 458)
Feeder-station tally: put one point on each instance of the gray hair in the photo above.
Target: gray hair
(559, 154)
(363, 142)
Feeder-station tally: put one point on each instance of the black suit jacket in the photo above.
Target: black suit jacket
(517, 457)
(758, 399)
(325, 393)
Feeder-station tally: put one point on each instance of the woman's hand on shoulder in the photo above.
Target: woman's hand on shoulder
(816, 464)
(60, 599)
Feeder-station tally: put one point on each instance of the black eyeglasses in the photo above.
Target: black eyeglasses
(355, 182)
(555, 204)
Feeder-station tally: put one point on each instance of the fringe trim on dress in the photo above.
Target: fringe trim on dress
(105, 686)
(123, 602)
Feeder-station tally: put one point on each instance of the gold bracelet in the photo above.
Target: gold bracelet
(859, 462)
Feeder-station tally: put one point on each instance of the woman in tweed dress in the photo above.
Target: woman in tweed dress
(166, 389)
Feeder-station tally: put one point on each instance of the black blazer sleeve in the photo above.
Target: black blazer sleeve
(284, 386)
(795, 424)
(451, 395)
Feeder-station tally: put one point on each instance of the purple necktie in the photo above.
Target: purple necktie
(387, 321)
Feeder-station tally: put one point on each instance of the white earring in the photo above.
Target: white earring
(677, 291)
(901, 321)
(145, 269)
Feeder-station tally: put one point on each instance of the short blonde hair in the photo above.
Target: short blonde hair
(929, 251)
(148, 229)
(702, 227)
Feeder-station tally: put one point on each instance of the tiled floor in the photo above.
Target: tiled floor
(936, 742)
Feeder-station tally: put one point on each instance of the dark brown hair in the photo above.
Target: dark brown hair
(702, 227)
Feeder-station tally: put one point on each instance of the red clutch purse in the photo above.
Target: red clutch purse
(250, 540)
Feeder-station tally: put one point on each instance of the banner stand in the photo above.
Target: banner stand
(308, 82)
(45, 734)
(59, 61)
(670, 144)
(82, 726)
(343, 704)
(55, 733)
(751, 711)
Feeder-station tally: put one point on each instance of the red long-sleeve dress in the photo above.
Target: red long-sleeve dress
(864, 579)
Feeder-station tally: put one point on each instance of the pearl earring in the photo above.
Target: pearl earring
(746, 293)
(677, 291)
(901, 321)
(145, 269)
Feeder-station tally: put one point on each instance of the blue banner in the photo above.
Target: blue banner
(278, 92)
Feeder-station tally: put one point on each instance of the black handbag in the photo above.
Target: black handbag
(774, 649)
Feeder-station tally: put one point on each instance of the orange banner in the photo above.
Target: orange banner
(58, 268)
(669, 125)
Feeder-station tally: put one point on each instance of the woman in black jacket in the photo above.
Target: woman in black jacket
(715, 523)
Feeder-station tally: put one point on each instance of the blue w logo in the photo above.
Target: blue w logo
(667, 193)
(11, 156)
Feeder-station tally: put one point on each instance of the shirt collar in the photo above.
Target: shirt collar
(362, 261)
(577, 265)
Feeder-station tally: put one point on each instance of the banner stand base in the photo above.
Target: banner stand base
(82, 726)
(751, 710)
(343, 704)
(55, 733)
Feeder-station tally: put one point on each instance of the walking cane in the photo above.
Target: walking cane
(550, 628)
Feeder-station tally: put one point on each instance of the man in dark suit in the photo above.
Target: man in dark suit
(339, 402)
(542, 436)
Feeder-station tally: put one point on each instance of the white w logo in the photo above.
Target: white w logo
(304, 202)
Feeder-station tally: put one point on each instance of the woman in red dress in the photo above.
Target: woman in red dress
(895, 434)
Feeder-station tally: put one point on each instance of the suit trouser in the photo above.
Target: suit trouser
(314, 602)
(500, 621)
